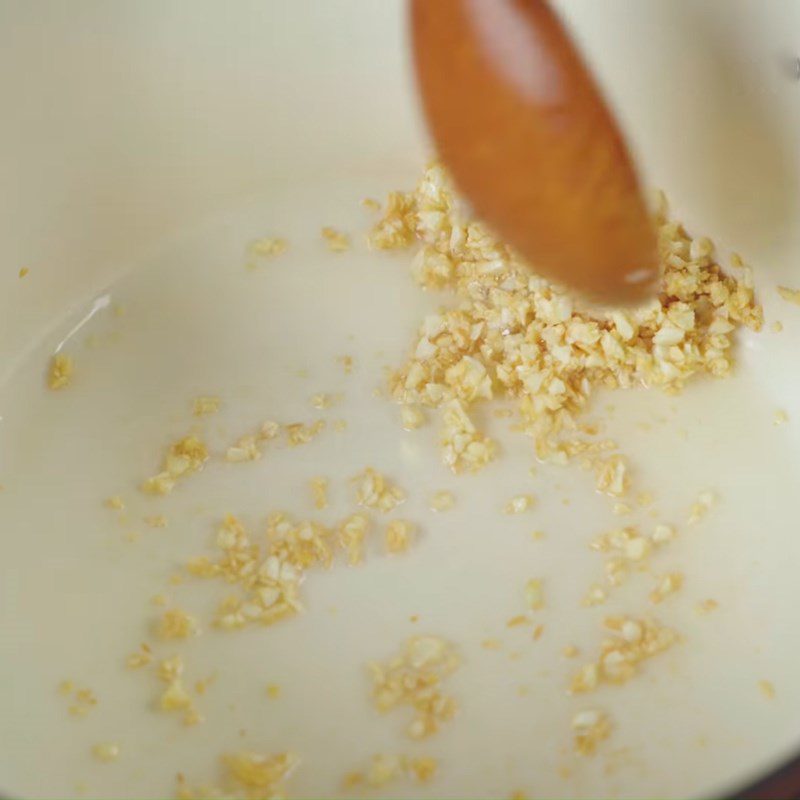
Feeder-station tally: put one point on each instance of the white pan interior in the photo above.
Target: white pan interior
(143, 146)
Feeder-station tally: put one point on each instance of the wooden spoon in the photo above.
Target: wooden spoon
(521, 125)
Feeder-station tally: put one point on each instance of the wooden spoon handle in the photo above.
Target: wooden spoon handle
(520, 123)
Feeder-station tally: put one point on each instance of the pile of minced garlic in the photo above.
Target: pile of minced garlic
(512, 333)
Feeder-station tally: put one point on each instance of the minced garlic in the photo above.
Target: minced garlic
(412, 417)
(106, 751)
(183, 457)
(244, 449)
(352, 532)
(61, 369)
(267, 247)
(374, 490)
(175, 623)
(203, 406)
(251, 775)
(666, 585)
(790, 295)
(442, 501)
(386, 768)
(590, 727)
(319, 492)
(336, 241)
(298, 433)
(141, 658)
(512, 333)
(633, 641)
(399, 536)
(519, 504)
(534, 594)
(414, 678)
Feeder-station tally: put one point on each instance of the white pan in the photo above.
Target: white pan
(143, 145)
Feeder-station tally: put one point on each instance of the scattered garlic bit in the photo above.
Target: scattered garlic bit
(612, 475)
(157, 521)
(337, 241)
(340, 425)
(514, 622)
(203, 406)
(202, 686)
(352, 532)
(570, 651)
(414, 678)
(399, 535)
(245, 449)
(175, 697)
(595, 596)
(23, 272)
(423, 768)
(268, 430)
(273, 691)
(183, 457)
(519, 504)
(84, 700)
(537, 536)
(707, 606)
(534, 594)
(492, 644)
(412, 417)
(767, 689)
(250, 775)
(115, 502)
(141, 658)
(347, 363)
(398, 227)
(61, 369)
(537, 632)
(463, 446)
(777, 326)
(662, 534)
(175, 623)
(644, 499)
(621, 509)
(627, 548)
(791, 295)
(370, 204)
(268, 246)
(374, 490)
(106, 751)
(270, 577)
(159, 600)
(513, 334)
(319, 492)
(442, 501)
(780, 417)
(386, 768)
(192, 717)
(634, 641)
(705, 500)
(265, 773)
(667, 585)
(298, 433)
(321, 401)
(590, 727)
